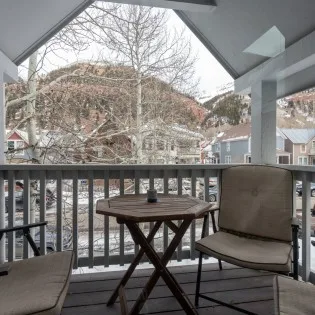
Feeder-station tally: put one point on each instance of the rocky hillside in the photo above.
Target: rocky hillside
(296, 111)
(74, 91)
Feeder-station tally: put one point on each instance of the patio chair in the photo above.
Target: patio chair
(293, 297)
(37, 285)
(256, 228)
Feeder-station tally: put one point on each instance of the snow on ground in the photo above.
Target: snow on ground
(146, 265)
(312, 254)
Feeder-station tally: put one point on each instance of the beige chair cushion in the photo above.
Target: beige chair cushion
(246, 252)
(37, 285)
(257, 200)
(293, 297)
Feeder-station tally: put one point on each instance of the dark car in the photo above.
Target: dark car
(51, 239)
(299, 189)
(19, 197)
(213, 194)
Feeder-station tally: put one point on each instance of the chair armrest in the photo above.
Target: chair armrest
(211, 211)
(4, 269)
(214, 209)
(22, 227)
(295, 242)
(26, 231)
(295, 223)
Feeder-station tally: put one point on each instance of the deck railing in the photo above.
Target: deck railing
(98, 240)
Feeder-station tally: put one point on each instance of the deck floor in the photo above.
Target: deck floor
(249, 289)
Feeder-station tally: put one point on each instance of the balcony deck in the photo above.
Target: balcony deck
(249, 289)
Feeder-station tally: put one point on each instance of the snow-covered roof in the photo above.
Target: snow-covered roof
(236, 138)
(299, 135)
(185, 130)
(21, 133)
(173, 130)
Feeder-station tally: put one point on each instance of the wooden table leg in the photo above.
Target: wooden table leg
(161, 270)
(133, 265)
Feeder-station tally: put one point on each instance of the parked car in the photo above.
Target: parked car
(299, 189)
(213, 194)
(51, 239)
(19, 197)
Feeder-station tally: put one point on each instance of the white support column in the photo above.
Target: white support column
(8, 73)
(264, 121)
(2, 161)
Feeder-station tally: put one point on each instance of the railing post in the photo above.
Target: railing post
(42, 212)
(27, 252)
(59, 212)
(306, 226)
(11, 215)
(121, 226)
(91, 219)
(193, 223)
(106, 221)
(75, 234)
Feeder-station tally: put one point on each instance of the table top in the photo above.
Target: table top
(136, 208)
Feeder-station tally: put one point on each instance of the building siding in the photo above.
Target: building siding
(237, 151)
(280, 143)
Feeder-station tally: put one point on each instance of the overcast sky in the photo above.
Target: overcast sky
(212, 75)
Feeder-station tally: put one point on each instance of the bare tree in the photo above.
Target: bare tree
(139, 37)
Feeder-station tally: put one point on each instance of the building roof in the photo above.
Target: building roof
(237, 132)
(174, 130)
(299, 135)
(22, 134)
(241, 132)
(282, 152)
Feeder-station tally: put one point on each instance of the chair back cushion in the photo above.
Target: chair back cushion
(257, 200)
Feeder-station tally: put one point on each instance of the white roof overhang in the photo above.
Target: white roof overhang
(230, 30)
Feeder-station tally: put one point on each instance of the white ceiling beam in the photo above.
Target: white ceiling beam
(8, 69)
(297, 82)
(182, 5)
(296, 58)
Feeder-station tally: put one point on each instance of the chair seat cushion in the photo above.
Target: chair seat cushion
(37, 285)
(247, 252)
(293, 297)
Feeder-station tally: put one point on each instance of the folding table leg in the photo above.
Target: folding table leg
(133, 266)
(160, 269)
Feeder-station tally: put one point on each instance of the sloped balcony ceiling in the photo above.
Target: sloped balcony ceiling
(226, 27)
(236, 24)
(26, 25)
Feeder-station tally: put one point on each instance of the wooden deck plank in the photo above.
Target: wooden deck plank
(249, 289)
(206, 286)
(139, 282)
(162, 295)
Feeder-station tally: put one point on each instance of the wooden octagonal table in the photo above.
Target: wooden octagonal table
(133, 209)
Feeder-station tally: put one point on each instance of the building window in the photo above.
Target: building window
(16, 145)
(160, 145)
(303, 148)
(11, 145)
(228, 146)
(302, 160)
(313, 144)
(227, 159)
